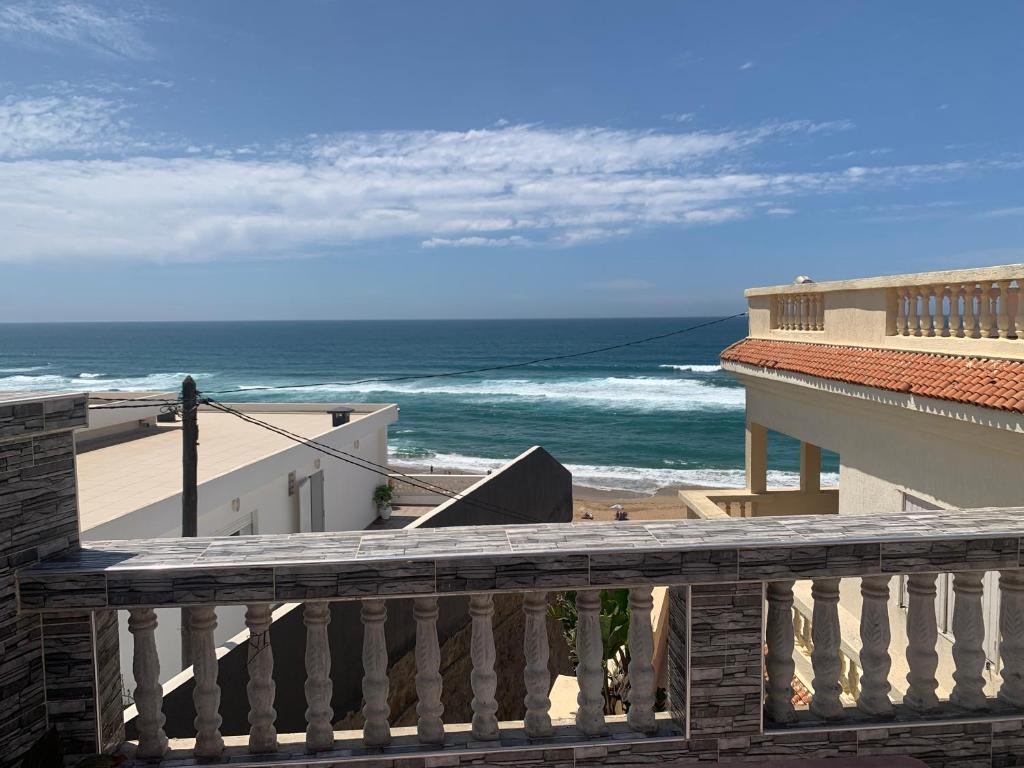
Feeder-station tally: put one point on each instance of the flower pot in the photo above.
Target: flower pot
(385, 512)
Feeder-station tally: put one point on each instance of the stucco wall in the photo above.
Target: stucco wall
(262, 490)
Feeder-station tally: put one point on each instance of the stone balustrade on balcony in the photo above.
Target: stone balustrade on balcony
(731, 637)
(968, 311)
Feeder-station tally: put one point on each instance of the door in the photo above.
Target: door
(317, 516)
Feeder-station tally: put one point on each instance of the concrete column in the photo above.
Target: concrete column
(757, 457)
(62, 672)
(715, 654)
(810, 468)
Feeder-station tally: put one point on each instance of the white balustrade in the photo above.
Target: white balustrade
(875, 638)
(536, 676)
(318, 688)
(641, 656)
(589, 668)
(149, 694)
(984, 310)
(483, 678)
(779, 664)
(922, 635)
(202, 621)
(260, 688)
(825, 660)
(799, 312)
(968, 641)
(429, 726)
(376, 729)
(1011, 634)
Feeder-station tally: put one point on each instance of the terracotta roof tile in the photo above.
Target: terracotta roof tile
(980, 381)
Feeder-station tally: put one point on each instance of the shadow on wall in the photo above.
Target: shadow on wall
(533, 488)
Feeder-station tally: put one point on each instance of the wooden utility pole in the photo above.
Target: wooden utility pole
(189, 457)
(189, 490)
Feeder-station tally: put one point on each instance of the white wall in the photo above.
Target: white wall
(262, 490)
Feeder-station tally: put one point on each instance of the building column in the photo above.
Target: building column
(810, 468)
(757, 457)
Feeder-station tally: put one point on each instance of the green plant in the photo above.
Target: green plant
(382, 495)
(614, 619)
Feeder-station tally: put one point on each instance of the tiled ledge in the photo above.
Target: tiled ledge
(352, 565)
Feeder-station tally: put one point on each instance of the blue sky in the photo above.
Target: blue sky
(254, 160)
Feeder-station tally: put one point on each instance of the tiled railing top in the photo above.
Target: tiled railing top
(355, 564)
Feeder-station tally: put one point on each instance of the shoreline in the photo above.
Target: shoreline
(661, 504)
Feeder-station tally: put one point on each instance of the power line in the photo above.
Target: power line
(487, 369)
(362, 463)
(167, 404)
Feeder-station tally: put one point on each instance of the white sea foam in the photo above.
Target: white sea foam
(93, 381)
(613, 478)
(693, 368)
(25, 369)
(646, 393)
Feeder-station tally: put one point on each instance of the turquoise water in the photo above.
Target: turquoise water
(636, 418)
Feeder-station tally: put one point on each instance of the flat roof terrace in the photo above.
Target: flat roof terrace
(120, 473)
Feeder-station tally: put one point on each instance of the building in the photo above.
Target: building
(916, 382)
(250, 481)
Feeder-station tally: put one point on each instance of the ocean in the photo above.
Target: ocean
(637, 418)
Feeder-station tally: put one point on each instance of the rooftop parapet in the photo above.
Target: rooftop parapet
(977, 312)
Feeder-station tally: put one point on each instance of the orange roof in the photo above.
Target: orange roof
(973, 380)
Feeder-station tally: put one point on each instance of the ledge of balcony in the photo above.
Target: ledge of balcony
(1005, 272)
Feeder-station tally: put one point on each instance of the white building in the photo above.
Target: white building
(250, 480)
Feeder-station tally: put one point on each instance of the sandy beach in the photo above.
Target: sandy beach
(663, 504)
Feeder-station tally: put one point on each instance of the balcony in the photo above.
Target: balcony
(709, 504)
(731, 638)
(968, 311)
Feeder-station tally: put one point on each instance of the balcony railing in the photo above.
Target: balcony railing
(716, 503)
(730, 635)
(968, 311)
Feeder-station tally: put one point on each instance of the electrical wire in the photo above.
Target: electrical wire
(487, 369)
(365, 464)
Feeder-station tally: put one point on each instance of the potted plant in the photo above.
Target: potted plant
(382, 496)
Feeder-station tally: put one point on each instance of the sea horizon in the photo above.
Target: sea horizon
(635, 419)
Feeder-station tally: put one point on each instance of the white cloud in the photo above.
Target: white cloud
(498, 187)
(746, 65)
(474, 242)
(999, 213)
(35, 126)
(75, 23)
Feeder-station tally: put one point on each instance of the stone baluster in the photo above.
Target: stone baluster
(260, 688)
(429, 726)
(970, 313)
(913, 319)
(641, 657)
(779, 664)
(1018, 315)
(536, 676)
(819, 312)
(590, 667)
(985, 310)
(805, 320)
(376, 729)
(825, 635)
(1003, 302)
(149, 695)
(483, 679)
(955, 317)
(945, 318)
(922, 635)
(318, 688)
(901, 311)
(928, 321)
(875, 638)
(968, 641)
(202, 621)
(1011, 636)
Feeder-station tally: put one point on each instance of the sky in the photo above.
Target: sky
(316, 160)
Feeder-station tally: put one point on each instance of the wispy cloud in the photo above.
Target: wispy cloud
(746, 65)
(34, 126)
(106, 32)
(999, 213)
(501, 187)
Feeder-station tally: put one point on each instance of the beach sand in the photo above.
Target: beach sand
(664, 504)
